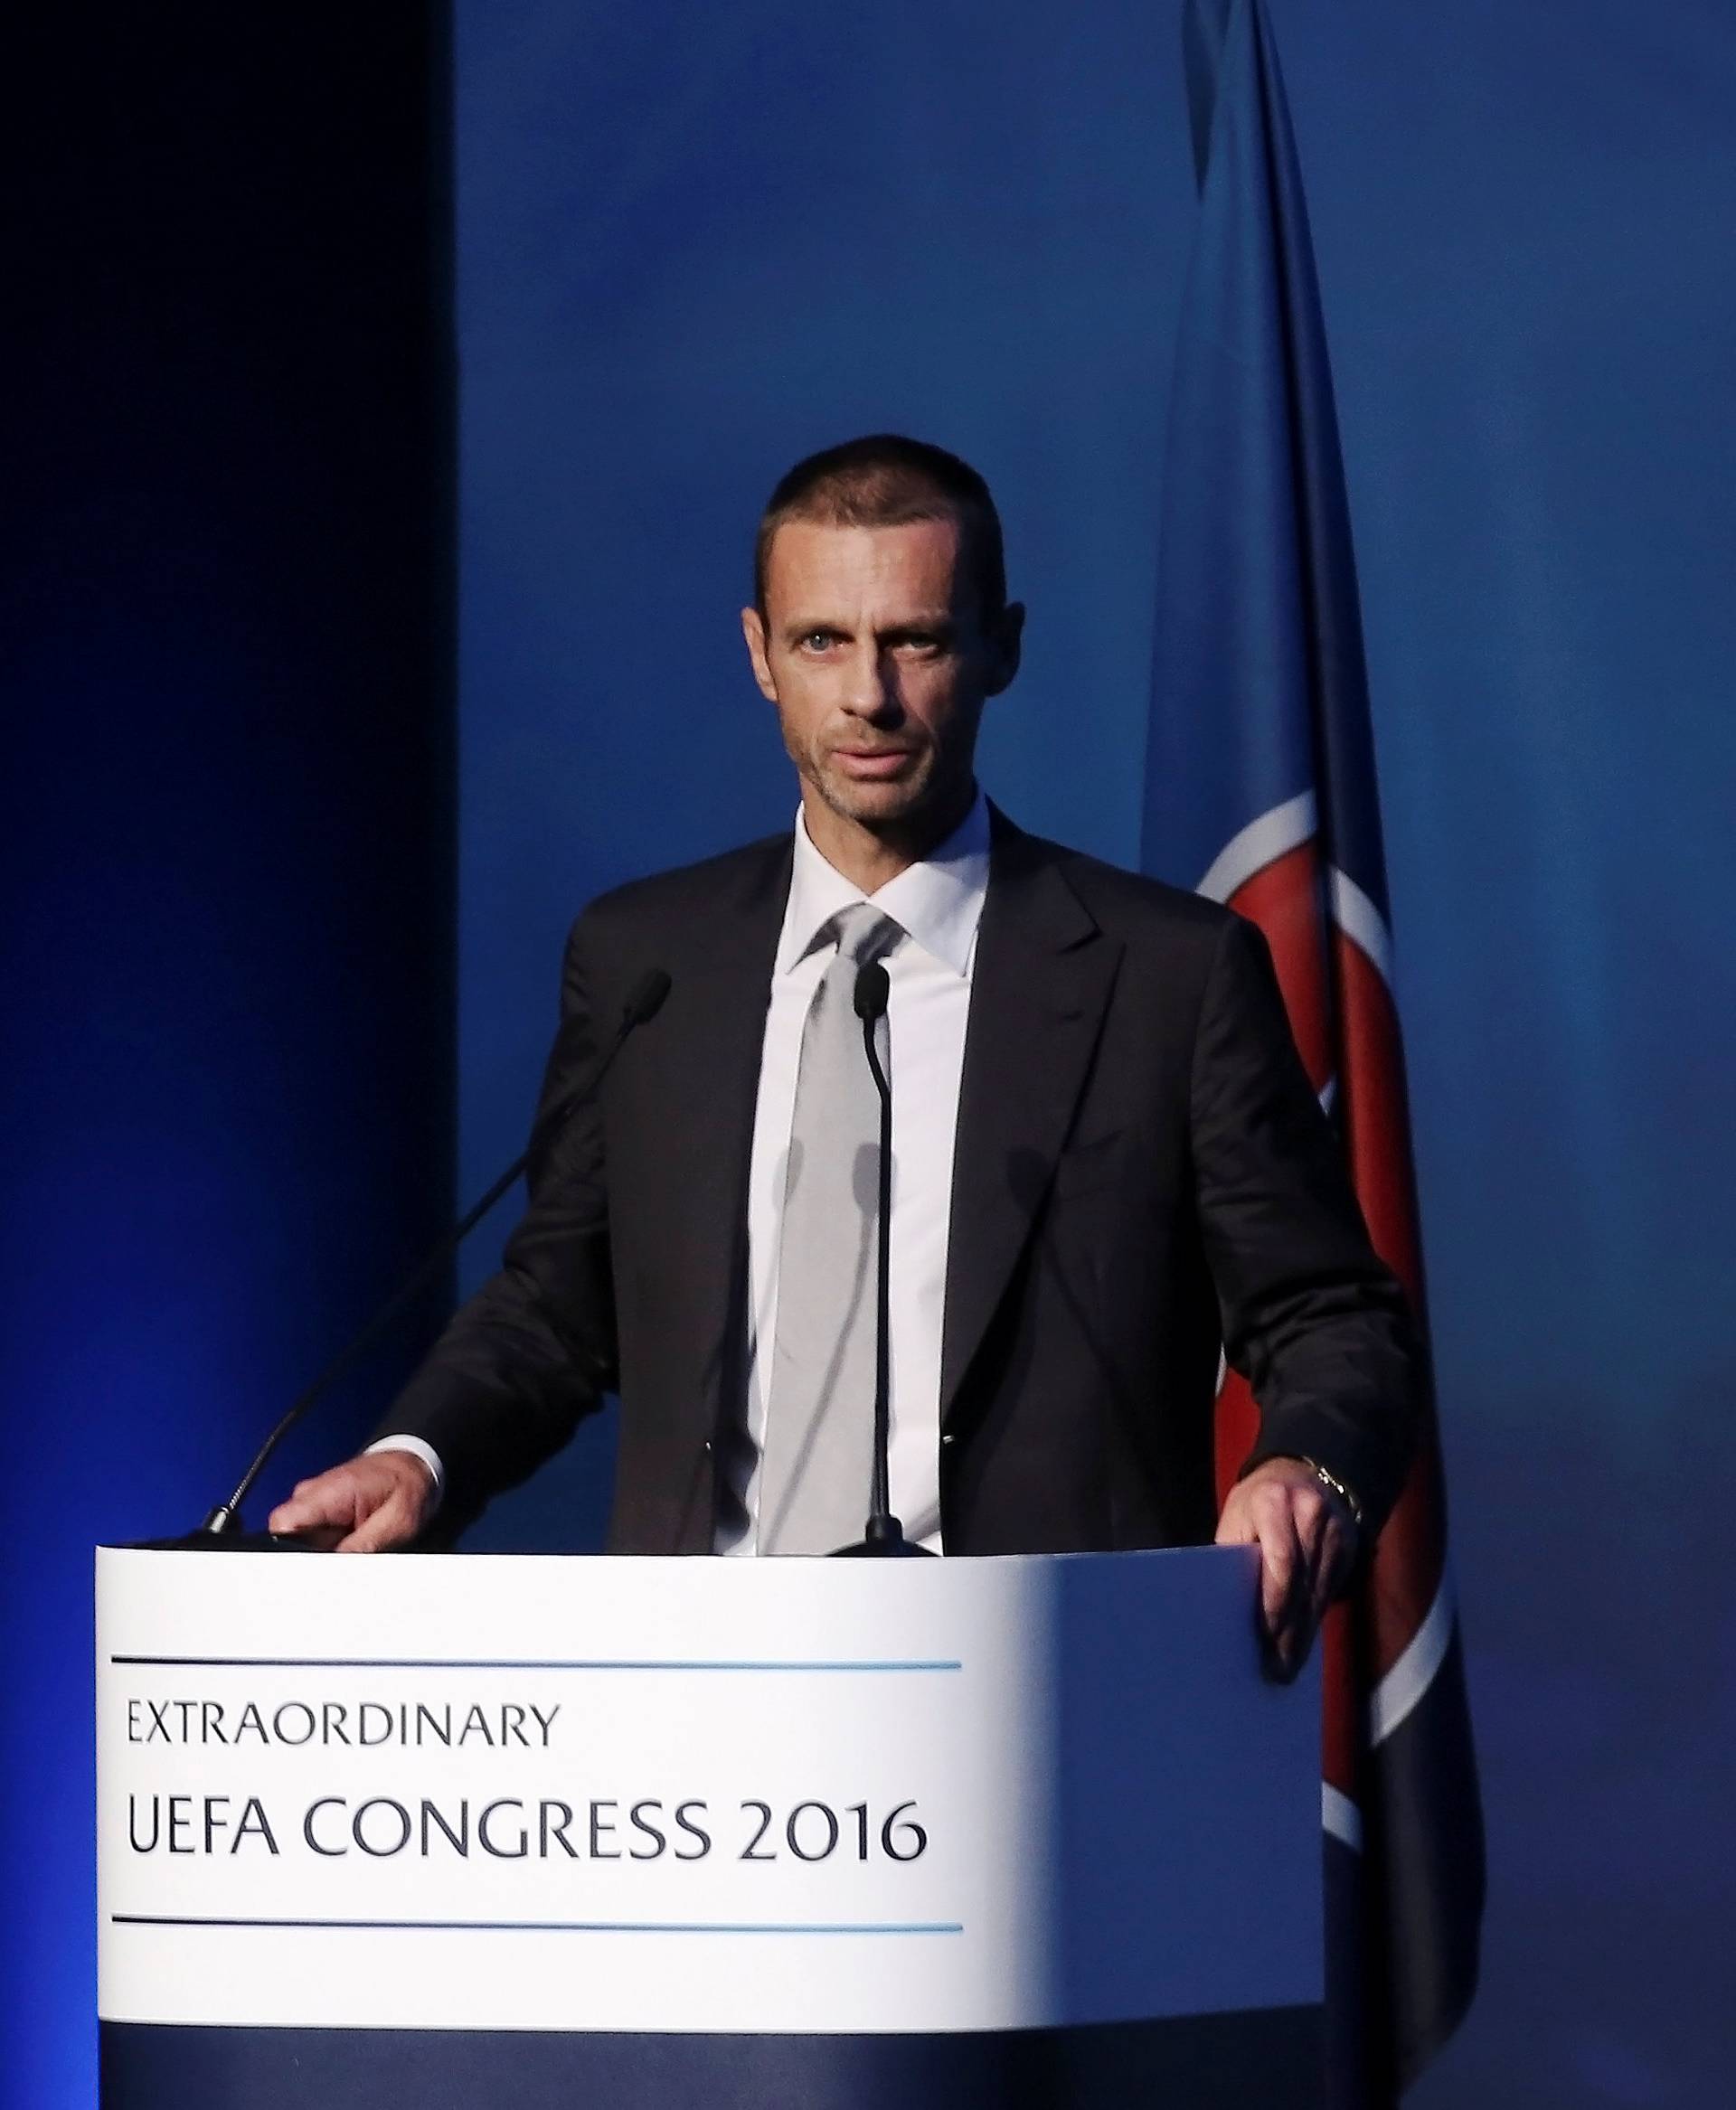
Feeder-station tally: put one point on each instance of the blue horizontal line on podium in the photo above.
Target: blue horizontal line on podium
(492, 1663)
(553, 1926)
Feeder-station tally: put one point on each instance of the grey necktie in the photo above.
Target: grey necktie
(818, 1457)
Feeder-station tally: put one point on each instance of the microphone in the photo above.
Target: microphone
(884, 1535)
(223, 1526)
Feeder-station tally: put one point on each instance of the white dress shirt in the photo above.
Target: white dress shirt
(938, 904)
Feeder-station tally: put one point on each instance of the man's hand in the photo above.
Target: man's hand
(380, 1500)
(1307, 1539)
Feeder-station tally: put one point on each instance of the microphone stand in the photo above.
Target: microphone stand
(883, 1537)
(223, 1527)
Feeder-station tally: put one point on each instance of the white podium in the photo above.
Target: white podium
(452, 1831)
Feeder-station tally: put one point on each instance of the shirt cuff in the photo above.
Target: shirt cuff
(417, 1448)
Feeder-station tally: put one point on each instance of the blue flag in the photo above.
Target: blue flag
(1260, 791)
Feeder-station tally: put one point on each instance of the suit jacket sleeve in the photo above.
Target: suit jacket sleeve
(1310, 1316)
(534, 1351)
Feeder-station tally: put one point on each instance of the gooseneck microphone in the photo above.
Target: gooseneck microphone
(223, 1525)
(884, 1535)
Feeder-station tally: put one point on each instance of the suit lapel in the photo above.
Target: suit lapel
(1042, 975)
(702, 1106)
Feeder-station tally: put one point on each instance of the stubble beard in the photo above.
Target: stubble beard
(885, 808)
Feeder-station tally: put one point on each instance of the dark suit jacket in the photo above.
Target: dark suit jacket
(1141, 1170)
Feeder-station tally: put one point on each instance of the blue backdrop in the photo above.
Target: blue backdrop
(693, 243)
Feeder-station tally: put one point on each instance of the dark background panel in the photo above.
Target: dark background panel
(227, 870)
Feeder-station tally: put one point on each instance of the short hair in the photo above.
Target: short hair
(885, 480)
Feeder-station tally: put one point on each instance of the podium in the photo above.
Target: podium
(447, 1831)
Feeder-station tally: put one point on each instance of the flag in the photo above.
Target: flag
(1261, 792)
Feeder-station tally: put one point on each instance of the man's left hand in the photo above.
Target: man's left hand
(1307, 1541)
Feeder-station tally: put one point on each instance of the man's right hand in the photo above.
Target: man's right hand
(379, 1501)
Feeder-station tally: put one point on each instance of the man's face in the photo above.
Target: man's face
(879, 661)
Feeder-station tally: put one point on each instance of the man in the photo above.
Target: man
(1107, 1158)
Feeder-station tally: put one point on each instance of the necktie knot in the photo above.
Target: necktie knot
(864, 933)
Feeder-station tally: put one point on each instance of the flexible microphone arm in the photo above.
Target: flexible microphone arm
(885, 1534)
(872, 990)
(646, 1002)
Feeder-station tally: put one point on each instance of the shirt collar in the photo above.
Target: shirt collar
(939, 902)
